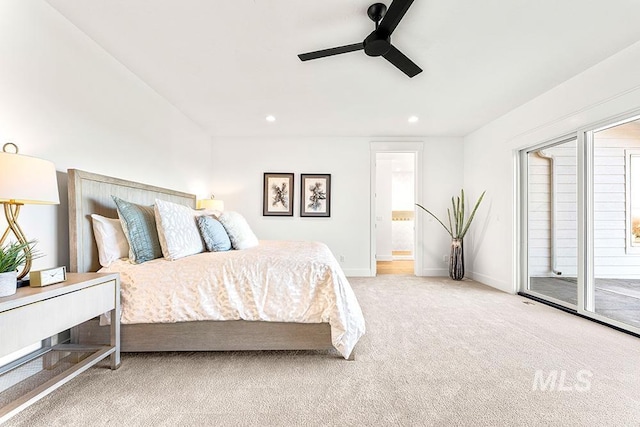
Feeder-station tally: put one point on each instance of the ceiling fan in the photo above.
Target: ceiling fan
(378, 43)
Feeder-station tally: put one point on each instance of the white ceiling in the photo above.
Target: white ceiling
(228, 64)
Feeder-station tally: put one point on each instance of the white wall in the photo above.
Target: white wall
(444, 166)
(64, 99)
(606, 90)
(239, 164)
(403, 189)
(384, 207)
(403, 199)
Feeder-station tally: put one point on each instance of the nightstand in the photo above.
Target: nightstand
(34, 315)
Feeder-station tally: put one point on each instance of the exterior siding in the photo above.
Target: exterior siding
(611, 258)
(561, 158)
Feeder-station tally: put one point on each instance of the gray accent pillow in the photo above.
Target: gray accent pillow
(139, 226)
(213, 233)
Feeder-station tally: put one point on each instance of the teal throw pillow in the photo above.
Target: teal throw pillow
(139, 226)
(213, 233)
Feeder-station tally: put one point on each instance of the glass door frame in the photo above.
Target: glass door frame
(523, 222)
(586, 191)
(585, 219)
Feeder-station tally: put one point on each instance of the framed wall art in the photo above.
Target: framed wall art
(315, 195)
(277, 199)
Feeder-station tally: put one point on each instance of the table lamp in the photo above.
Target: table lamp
(24, 180)
(211, 204)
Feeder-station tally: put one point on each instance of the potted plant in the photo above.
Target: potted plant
(457, 228)
(12, 256)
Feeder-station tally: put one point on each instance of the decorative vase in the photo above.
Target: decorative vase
(8, 283)
(456, 260)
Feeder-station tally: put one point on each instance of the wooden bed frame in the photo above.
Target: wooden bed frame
(91, 193)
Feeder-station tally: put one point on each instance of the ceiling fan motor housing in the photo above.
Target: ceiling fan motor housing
(377, 44)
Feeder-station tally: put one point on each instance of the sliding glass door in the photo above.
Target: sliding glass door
(615, 213)
(551, 222)
(580, 223)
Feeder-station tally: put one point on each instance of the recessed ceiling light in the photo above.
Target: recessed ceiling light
(270, 118)
(413, 119)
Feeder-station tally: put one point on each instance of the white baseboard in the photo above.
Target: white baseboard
(435, 272)
(443, 272)
(493, 282)
(357, 272)
(384, 258)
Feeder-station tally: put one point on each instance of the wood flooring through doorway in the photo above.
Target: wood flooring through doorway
(395, 267)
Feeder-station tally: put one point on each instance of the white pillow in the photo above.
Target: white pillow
(110, 239)
(209, 212)
(177, 230)
(238, 229)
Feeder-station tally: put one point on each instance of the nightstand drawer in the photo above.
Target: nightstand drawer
(25, 325)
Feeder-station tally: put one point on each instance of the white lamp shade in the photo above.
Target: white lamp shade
(27, 180)
(211, 204)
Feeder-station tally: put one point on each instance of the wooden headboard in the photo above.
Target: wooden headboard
(91, 193)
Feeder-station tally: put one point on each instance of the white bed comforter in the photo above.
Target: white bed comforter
(275, 281)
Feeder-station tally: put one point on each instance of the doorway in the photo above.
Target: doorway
(395, 192)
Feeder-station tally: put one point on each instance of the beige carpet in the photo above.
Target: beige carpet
(436, 352)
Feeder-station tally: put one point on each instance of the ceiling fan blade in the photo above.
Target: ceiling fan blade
(393, 16)
(330, 52)
(403, 63)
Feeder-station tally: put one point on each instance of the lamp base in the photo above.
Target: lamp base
(23, 283)
(11, 212)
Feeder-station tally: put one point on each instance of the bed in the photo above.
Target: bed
(199, 329)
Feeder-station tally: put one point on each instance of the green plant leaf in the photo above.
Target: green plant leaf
(473, 214)
(457, 226)
(13, 255)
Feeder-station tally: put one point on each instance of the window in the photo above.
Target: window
(632, 166)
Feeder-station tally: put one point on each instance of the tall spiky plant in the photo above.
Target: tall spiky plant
(13, 255)
(457, 226)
